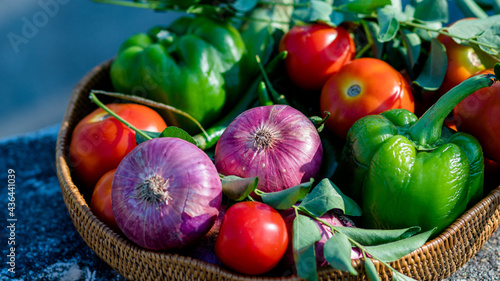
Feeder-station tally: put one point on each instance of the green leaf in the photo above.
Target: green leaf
(244, 5)
(432, 11)
(140, 139)
(371, 271)
(316, 10)
(372, 30)
(370, 237)
(326, 196)
(397, 4)
(305, 235)
(337, 252)
(395, 250)
(490, 36)
(176, 132)
(468, 29)
(389, 25)
(412, 43)
(238, 188)
(470, 9)
(434, 69)
(285, 199)
(366, 6)
(398, 276)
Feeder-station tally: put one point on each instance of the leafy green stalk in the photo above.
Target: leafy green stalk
(93, 98)
(150, 103)
(384, 253)
(443, 31)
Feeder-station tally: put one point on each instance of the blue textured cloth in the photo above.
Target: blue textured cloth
(47, 245)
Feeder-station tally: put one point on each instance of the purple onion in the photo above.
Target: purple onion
(204, 249)
(333, 217)
(166, 194)
(276, 143)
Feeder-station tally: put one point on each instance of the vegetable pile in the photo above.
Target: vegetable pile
(301, 134)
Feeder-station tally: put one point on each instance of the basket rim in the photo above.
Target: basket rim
(69, 189)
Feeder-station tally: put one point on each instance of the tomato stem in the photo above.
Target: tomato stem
(94, 99)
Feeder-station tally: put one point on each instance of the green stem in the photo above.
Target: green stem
(352, 241)
(93, 98)
(340, 8)
(272, 3)
(129, 4)
(363, 50)
(260, 20)
(154, 104)
(277, 98)
(427, 131)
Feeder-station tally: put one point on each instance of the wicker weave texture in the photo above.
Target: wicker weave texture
(437, 259)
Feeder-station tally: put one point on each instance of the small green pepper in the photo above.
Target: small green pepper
(407, 171)
(191, 65)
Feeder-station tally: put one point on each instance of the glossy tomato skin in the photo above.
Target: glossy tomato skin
(463, 62)
(315, 52)
(253, 238)
(479, 115)
(363, 87)
(99, 142)
(100, 202)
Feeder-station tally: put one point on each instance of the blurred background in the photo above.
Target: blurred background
(47, 46)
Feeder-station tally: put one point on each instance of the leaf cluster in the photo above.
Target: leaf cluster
(310, 204)
(406, 37)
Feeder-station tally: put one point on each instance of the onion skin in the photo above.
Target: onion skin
(178, 213)
(204, 249)
(276, 143)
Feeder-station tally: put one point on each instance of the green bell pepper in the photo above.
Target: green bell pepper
(406, 171)
(190, 65)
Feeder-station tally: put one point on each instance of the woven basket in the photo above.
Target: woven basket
(436, 260)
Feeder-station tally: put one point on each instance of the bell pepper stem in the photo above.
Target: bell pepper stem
(427, 131)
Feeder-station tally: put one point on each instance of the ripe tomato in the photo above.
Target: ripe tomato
(462, 63)
(479, 115)
(315, 52)
(253, 238)
(100, 202)
(363, 87)
(99, 142)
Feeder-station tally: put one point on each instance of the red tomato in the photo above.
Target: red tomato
(100, 202)
(99, 142)
(315, 52)
(253, 238)
(479, 115)
(462, 63)
(363, 87)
